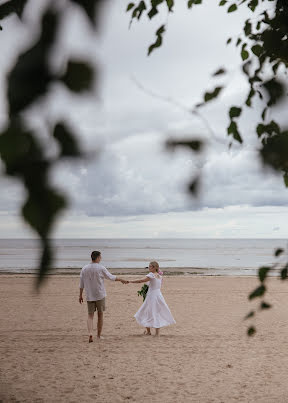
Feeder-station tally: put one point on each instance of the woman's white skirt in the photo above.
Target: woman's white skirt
(154, 312)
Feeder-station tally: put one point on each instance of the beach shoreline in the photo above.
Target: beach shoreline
(206, 357)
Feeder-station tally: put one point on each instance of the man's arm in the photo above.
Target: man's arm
(81, 287)
(81, 295)
(122, 280)
(110, 276)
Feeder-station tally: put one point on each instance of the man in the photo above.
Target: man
(92, 279)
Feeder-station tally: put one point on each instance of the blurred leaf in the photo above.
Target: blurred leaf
(274, 151)
(12, 7)
(278, 252)
(257, 50)
(251, 331)
(30, 76)
(67, 140)
(247, 27)
(275, 90)
(193, 187)
(250, 96)
(234, 112)
(130, 5)
(152, 12)
(285, 177)
(263, 272)
(284, 272)
(222, 2)
(258, 292)
(195, 145)
(170, 4)
(232, 8)
(253, 4)
(78, 76)
(219, 72)
(209, 96)
(244, 54)
(264, 305)
(89, 7)
(249, 315)
(233, 129)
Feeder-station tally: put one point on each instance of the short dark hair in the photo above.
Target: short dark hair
(95, 254)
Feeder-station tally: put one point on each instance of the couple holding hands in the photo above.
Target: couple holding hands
(154, 312)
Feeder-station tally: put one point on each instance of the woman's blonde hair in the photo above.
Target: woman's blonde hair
(155, 265)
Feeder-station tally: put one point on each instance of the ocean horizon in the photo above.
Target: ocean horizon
(219, 256)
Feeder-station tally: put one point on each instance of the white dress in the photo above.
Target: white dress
(154, 312)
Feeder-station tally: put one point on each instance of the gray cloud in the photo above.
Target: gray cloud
(134, 175)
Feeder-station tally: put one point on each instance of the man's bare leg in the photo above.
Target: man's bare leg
(90, 326)
(147, 331)
(157, 334)
(100, 324)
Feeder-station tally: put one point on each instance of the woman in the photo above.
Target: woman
(154, 311)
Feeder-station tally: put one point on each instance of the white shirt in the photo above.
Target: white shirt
(92, 280)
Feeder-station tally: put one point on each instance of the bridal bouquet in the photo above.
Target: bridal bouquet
(143, 291)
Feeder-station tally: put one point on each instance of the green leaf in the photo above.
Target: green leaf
(222, 2)
(219, 72)
(158, 41)
(253, 4)
(251, 331)
(258, 292)
(209, 96)
(190, 3)
(130, 5)
(275, 90)
(250, 96)
(170, 4)
(193, 187)
(284, 273)
(232, 8)
(152, 12)
(263, 272)
(249, 315)
(12, 7)
(30, 77)
(257, 50)
(67, 141)
(264, 305)
(234, 112)
(89, 8)
(278, 252)
(239, 40)
(78, 76)
(244, 54)
(247, 28)
(285, 177)
(228, 41)
(194, 145)
(233, 129)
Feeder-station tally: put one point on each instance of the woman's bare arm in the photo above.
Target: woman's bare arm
(143, 280)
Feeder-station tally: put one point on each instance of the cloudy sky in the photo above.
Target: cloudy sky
(135, 187)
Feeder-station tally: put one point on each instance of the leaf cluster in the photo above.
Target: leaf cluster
(23, 155)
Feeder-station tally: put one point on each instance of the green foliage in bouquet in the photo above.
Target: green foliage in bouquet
(143, 291)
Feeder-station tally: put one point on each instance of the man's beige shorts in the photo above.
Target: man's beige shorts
(93, 305)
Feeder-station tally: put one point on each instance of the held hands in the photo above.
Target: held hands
(124, 281)
(81, 299)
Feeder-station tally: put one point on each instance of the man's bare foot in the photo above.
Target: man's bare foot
(146, 333)
(90, 339)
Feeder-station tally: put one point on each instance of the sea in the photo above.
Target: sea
(225, 257)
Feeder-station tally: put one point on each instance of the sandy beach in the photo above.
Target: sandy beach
(205, 357)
